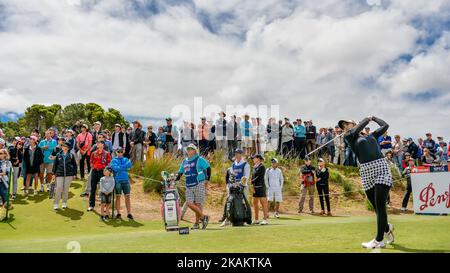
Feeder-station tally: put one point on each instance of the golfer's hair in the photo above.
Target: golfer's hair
(6, 152)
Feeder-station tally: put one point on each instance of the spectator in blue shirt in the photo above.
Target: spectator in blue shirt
(385, 143)
(299, 139)
(430, 144)
(47, 146)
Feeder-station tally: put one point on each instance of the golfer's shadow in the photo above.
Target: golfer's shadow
(413, 250)
(73, 214)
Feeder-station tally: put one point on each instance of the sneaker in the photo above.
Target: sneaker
(102, 218)
(404, 209)
(224, 223)
(264, 222)
(107, 217)
(35, 193)
(373, 244)
(300, 211)
(64, 206)
(195, 226)
(41, 189)
(90, 209)
(13, 197)
(255, 222)
(322, 212)
(276, 215)
(25, 194)
(390, 234)
(119, 217)
(130, 217)
(205, 221)
(55, 207)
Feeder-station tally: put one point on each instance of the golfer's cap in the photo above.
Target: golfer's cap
(342, 121)
(259, 156)
(321, 160)
(238, 151)
(274, 160)
(191, 146)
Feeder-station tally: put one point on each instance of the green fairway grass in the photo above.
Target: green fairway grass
(34, 227)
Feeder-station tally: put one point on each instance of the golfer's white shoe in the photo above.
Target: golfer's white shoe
(390, 234)
(64, 206)
(224, 223)
(373, 244)
(90, 209)
(264, 222)
(404, 209)
(255, 222)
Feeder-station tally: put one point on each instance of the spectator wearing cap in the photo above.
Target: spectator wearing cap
(307, 177)
(203, 136)
(299, 139)
(311, 133)
(339, 147)
(287, 139)
(442, 153)
(272, 134)
(274, 181)
(233, 136)
(100, 159)
(120, 166)
(119, 139)
(259, 189)
(33, 158)
(96, 130)
(198, 172)
(47, 145)
(413, 149)
(247, 136)
(69, 137)
(430, 144)
(407, 157)
(16, 158)
(150, 143)
(323, 190)
(385, 142)
(411, 168)
(397, 152)
(84, 144)
(172, 136)
(221, 132)
(64, 168)
(137, 143)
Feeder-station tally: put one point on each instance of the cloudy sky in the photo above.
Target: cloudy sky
(323, 60)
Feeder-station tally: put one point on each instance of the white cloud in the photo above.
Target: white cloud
(322, 60)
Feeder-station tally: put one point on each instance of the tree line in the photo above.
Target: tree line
(42, 117)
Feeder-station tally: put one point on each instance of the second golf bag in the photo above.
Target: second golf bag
(238, 210)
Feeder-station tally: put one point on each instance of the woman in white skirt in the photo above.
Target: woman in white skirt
(375, 173)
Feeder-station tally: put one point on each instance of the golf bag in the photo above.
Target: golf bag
(238, 209)
(170, 204)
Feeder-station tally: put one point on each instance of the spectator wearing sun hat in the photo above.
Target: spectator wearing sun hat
(84, 142)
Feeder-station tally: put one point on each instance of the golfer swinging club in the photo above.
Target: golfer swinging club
(375, 173)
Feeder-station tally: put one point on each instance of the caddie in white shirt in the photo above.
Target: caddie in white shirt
(274, 183)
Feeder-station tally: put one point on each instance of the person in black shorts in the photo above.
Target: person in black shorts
(259, 189)
(375, 173)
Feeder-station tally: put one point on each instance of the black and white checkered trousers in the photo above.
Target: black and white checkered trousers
(375, 172)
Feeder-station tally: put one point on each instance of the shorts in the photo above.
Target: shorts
(260, 192)
(46, 167)
(274, 195)
(196, 194)
(375, 172)
(124, 188)
(247, 142)
(105, 199)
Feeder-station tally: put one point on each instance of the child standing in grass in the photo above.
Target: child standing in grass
(107, 184)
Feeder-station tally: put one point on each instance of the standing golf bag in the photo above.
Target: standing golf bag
(170, 205)
(238, 209)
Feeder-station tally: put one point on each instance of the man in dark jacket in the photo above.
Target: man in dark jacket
(137, 142)
(119, 139)
(413, 149)
(33, 158)
(259, 189)
(311, 134)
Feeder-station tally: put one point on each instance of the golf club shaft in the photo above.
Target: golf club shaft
(323, 145)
